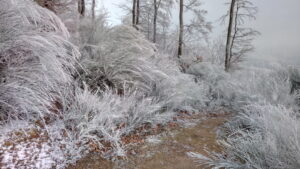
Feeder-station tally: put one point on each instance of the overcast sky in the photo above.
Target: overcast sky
(278, 21)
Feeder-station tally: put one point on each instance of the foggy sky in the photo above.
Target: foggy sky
(278, 21)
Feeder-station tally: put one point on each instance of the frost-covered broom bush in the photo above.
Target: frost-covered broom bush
(39, 94)
(180, 91)
(36, 60)
(211, 76)
(123, 59)
(270, 140)
(132, 85)
(37, 64)
(106, 117)
(265, 132)
(93, 35)
(271, 85)
(246, 86)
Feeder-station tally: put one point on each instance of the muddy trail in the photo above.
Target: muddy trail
(167, 150)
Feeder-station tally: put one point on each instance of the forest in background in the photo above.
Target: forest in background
(70, 83)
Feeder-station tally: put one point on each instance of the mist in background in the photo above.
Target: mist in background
(278, 22)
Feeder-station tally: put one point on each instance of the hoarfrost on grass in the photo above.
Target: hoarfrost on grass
(265, 131)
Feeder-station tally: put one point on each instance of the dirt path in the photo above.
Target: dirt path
(167, 151)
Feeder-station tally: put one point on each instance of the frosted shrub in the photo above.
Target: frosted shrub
(36, 60)
(93, 36)
(249, 85)
(213, 76)
(37, 65)
(182, 93)
(265, 132)
(266, 85)
(295, 81)
(123, 59)
(271, 139)
(98, 119)
(129, 85)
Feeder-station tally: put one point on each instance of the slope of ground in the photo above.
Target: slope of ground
(168, 150)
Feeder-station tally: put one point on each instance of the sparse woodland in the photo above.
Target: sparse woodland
(71, 84)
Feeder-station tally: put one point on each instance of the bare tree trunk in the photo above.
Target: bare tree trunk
(155, 21)
(229, 36)
(133, 13)
(93, 9)
(137, 12)
(180, 42)
(234, 33)
(81, 7)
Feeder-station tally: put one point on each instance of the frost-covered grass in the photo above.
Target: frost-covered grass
(265, 131)
(34, 51)
(245, 86)
(98, 118)
(118, 84)
(37, 64)
(122, 59)
(272, 140)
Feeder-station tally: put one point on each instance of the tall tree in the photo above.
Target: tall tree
(195, 29)
(81, 7)
(133, 13)
(137, 12)
(239, 38)
(155, 20)
(181, 29)
(93, 8)
(229, 35)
